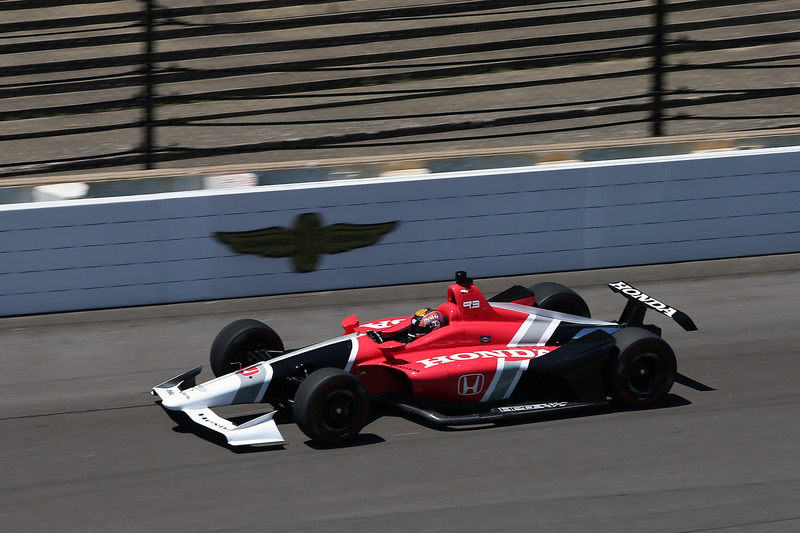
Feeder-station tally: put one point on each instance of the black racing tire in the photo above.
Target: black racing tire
(643, 370)
(243, 343)
(331, 406)
(556, 297)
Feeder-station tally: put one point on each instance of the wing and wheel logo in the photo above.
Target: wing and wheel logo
(306, 241)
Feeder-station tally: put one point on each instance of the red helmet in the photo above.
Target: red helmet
(424, 321)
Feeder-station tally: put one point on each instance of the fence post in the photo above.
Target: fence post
(658, 69)
(149, 141)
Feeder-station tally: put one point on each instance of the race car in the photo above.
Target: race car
(471, 360)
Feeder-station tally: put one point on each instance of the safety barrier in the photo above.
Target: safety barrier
(278, 239)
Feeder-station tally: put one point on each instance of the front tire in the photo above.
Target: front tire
(644, 369)
(331, 406)
(243, 343)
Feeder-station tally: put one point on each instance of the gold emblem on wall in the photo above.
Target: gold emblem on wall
(306, 241)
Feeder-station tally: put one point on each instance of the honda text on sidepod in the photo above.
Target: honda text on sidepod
(469, 361)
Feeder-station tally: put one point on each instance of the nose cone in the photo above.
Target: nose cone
(177, 400)
(244, 386)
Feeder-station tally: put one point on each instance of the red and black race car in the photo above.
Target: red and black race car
(469, 361)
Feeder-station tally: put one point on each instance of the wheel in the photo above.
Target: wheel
(331, 406)
(556, 297)
(243, 343)
(643, 370)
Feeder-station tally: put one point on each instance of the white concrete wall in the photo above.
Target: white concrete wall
(152, 249)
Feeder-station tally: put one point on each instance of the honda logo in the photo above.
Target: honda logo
(470, 384)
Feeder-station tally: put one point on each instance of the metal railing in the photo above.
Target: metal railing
(141, 83)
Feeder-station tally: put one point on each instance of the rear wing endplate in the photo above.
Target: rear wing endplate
(639, 302)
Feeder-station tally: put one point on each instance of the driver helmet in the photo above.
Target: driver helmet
(423, 322)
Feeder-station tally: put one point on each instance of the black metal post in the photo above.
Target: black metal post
(658, 68)
(149, 140)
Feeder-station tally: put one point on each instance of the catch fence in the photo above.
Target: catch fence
(130, 84)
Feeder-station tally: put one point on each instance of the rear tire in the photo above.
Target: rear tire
(243, 343)
(556, 297)
(643, 371)
(331, 406)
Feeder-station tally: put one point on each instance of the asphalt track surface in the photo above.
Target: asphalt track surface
(85, 448)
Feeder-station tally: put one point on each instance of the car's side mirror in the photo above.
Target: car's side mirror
(390, 348)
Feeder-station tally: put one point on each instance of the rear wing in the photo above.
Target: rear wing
(639, 302)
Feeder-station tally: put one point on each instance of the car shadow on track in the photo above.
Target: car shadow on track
(368, 439)
(686, 381)
(363, 439)
(284, 417)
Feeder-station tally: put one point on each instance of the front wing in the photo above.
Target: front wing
(260, 430)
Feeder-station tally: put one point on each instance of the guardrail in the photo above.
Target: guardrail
(132, 83)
